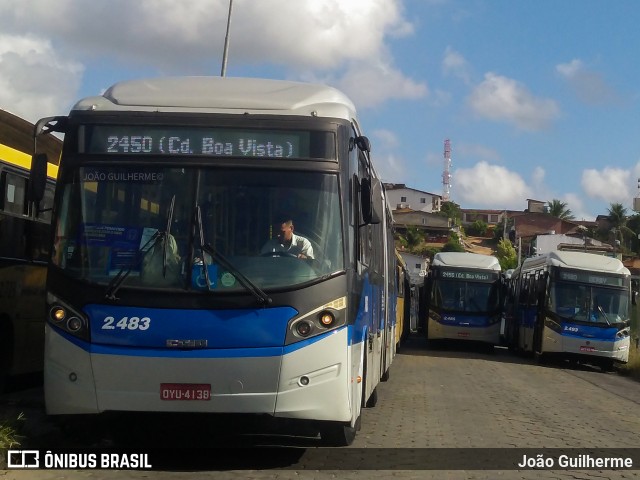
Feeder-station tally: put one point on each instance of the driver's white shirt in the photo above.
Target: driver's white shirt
(299, 245)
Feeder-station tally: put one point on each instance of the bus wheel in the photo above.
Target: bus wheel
(338, 434)
(606, 366)
(540, 358)
(6, 353)
(385, 376)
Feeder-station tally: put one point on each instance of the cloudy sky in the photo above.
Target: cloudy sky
(540, 99)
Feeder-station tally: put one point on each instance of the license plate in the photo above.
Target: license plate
(185, 391)
(463, 334)
(587, 349)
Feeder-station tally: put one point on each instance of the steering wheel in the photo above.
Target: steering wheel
(278, 253)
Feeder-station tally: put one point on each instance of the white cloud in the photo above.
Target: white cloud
(440, 98)
(489, 186)
(613, 185)
(386, 138)
(453, 63)
(384, 146)
(187, 37)
(505, 99)
(571, 69)
(35, 81)
(576, 205)
(310, 33)
(371, 85)
(589, 86)
(538, 176)
(175, 34)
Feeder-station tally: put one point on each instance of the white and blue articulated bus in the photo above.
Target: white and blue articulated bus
(220, 245)
(571, 304)
(464, 295)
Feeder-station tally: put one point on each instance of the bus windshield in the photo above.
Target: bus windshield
(198, 228)
(465, 296)
(589, 303)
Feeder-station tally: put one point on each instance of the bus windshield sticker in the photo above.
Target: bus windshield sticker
(122, 258)
(94, 234)
(122, 243)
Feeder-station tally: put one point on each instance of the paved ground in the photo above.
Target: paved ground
(453, 399)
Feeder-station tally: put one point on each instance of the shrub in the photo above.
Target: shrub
(477, 228)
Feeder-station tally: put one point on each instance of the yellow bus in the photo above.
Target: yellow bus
(24, 249)
(403, 299)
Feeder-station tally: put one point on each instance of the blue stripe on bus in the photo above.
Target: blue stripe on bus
(152, 327)
(305, 343)
(588, 332)
(143, 331)
(193, 353)
(178, 353)
(471, 321)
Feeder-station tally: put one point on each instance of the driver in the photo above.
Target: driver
(289, 242)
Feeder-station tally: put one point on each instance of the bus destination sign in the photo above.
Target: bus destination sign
(467, 275)
(591, 277)
(216, 142)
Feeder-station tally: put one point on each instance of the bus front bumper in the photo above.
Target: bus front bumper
(294, 385)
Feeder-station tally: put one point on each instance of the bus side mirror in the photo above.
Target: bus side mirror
(377, 202)
(371, 201)
(363, 143)
(38, 177)
(365, 200)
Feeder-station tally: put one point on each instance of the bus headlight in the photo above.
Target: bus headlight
(327, 318)
(623, 333)
(303, 328)
(323, 319)
(74, 324)
(64, 317)
(58, 314)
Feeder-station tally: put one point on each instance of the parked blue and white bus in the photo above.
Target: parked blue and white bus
(571, 304)
(173, 286)
(464, 293)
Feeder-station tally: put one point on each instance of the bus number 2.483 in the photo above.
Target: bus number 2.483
(126, 323)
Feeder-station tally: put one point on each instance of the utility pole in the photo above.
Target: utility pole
(504, 225)
(223, 71)
(446, 173)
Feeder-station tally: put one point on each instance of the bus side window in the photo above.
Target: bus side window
(14, 193)
(46, 203)
(533, 290)
(524, 290)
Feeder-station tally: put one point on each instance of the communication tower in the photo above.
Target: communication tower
(446, 173)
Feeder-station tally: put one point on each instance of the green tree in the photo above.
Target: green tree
(451, 210)
(506, 254)
(411, 238)
(634, 224)
(559, 210)
(477, 228)
(453, 244)
(618, 218)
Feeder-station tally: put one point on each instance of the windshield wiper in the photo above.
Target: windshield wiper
(604, 315)
(123, 273)
(260, 295)
(167, 234)
(116, 282)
